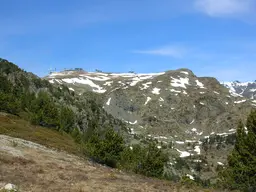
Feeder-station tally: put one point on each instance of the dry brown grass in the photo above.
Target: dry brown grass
(41, 171)
(38, 169)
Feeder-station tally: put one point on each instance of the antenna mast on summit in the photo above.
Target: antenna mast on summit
(51, 70)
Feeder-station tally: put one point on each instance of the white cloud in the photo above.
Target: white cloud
(171, 51)
(224, 8)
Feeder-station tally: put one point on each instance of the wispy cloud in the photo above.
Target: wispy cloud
(170, 51)
(225, 8)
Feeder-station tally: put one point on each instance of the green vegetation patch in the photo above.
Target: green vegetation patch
(16, 127)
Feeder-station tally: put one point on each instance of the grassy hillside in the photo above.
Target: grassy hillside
(16, 127)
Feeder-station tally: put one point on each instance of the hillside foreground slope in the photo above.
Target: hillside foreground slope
(33, 167)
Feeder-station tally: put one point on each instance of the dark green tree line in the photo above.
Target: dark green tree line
(241, 171)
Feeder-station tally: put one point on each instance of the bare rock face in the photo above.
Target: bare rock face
(10, 187)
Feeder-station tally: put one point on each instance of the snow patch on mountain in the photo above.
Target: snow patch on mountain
(98, 78)
(132, 123)
(220, 163)
(181, 82)
(190, 177)
(235, 94)
(180, 142)
(194, 129)
(96, 88)
(63, 73)
(184, 72)
(200, 84)
(156, 91)
(175, 91)
(59, 81)
(51, 81)
(197, 150)
(240, 89)
(135, 81)
(192, 121)
(242, 101)
(230, 86)
(145, 85)
(183, 153)
(148, 99)
(108, 83)
(108, 102)
(140, 75)
(161, 99)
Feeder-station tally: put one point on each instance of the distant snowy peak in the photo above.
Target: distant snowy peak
(242, 89)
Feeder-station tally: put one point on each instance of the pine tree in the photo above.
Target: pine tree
(154, 161)
(67, 119)
(241, 171)
(77, 136)
(105, 147)
(44, 111)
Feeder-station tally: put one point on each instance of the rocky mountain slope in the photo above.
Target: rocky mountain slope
(183, 112)
(173, 103)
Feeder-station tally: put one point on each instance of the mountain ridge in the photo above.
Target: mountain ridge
(174, 106)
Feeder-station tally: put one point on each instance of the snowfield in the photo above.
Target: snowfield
(96, 88)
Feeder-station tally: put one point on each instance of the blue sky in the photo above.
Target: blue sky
(210, 37)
